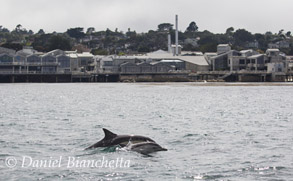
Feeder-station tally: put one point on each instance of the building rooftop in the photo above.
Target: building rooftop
(194, 53)
(72, 55)
(273, 50)
(158, 52)
(223, 45)
(199, 60)
(85, 55)
(171, 61)
(246, 51)
(255, 56)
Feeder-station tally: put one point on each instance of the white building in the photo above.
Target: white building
(223, 48)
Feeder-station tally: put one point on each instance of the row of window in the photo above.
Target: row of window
(34, 59)
(242, 61)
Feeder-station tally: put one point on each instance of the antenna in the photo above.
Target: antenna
(176, 35)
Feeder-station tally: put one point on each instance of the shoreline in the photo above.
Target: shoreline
(203, 84)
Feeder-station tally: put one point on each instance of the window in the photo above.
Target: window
(241, 61)
(64, 62)
(6, 59)
(107, 63)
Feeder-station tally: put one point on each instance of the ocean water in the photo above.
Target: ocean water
(215, 132)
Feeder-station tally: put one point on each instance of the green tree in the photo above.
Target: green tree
(242, 36)
(90, 30)
(13, 46)
(18, 28)
(3, 29)
(230, 31)
(41, 32)
(99, 51)
(30, 32)
(165, 27)
(261, 39)
(192, 27)
(76, 32)
(59, 42)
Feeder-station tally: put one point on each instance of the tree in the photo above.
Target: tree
(229, 31)
(288, 34)
(261, 39)
(131, 34)
(281, 34)
(192, 27)
(108, 32)
(3, 29)
(76, 32)
(30, 32)
(18, 28)
(41, 32)
(165, 27)
(59, 42)
(99, 51)
(242, 36)
(14, 46)
(90, 30)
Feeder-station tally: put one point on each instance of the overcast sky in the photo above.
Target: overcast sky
(257, 16)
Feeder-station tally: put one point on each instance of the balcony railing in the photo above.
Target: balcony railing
(31, 63)
(9, 72)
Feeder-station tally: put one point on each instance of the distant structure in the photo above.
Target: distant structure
(169, 44)
(174, 49)
(223, 48)
(176, 35)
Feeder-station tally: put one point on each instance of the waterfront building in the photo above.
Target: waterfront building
(272, 61)
(191, 63)
(106, 65)
(160, 67)
(49, 64)
(129, 68)
(225, 61)
(64, 65)
(30, 61)
(7, 51)
(177, 64)
(6, 63)
(289, 60)
(223, 48)
(276, 61)
(33, 63)
(73, 61)
(254, 62)
(86, 61)
(145, 68)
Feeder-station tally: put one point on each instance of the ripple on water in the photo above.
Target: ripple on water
(212, 133)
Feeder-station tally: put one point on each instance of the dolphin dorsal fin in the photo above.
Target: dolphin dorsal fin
(109, 134)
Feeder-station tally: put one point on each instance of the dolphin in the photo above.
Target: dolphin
(112, 139)
(145, 148)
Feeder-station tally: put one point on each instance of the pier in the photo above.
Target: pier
(211, 76)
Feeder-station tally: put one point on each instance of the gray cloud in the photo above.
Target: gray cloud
(143, 15)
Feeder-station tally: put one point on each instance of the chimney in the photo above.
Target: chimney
(176, 35)
(169, 44)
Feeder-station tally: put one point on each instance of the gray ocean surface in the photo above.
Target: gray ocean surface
(211, 132)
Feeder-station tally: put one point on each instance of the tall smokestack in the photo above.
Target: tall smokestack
(176, 35)
(169, 44)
